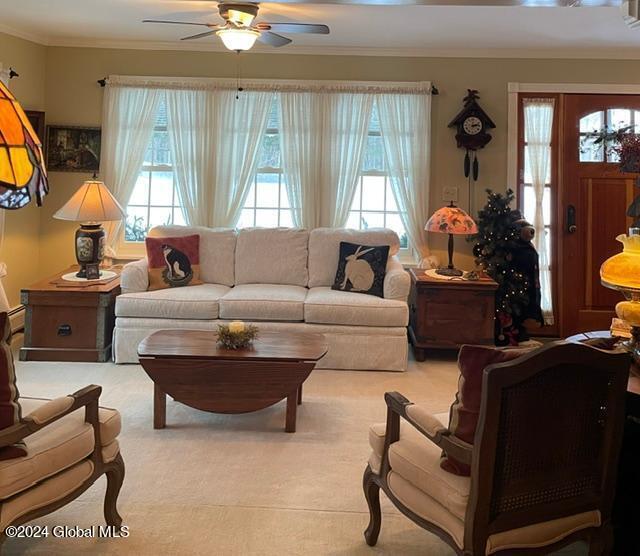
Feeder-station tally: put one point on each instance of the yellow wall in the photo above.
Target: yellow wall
(21, 245)
(73, 97)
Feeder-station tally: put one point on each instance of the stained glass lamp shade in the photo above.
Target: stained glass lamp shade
(23, 176)
(453, 221)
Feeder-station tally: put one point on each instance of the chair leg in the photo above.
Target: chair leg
(372, 494)
(115, 476)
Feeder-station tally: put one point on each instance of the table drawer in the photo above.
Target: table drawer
(65, 327)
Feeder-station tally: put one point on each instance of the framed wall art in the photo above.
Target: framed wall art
(73, 149)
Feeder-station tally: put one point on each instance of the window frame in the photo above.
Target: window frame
(136, 249)
(405, 254)
(269, 170)
(554, 191)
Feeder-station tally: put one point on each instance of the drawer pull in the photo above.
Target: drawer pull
(64, 330)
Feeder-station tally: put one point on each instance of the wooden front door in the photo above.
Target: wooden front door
(595, 197)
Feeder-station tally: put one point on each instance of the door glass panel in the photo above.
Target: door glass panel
(590, 151)
(528, 178)
(592, 122)
(530, 205)
(618, 117)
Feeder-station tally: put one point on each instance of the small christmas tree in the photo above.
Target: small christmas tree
(495, 243)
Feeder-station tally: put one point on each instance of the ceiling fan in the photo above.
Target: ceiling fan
(238, 31)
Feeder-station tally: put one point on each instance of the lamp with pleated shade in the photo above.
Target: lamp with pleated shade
(453, 221)
(91, 204)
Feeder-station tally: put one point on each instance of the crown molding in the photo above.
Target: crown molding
(26, 35)
(629, 53)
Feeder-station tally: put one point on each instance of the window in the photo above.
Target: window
(374, 205)
(595, 126)
(154, 201)
(267, 203)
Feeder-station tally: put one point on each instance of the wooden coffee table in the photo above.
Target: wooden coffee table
(189, 366)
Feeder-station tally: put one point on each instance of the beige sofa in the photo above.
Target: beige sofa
(279, 279)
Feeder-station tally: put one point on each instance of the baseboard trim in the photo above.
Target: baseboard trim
(16, 317)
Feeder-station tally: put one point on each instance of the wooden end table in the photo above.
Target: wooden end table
(444, 314)
(626, 511)
(69, 321)
(189, 366)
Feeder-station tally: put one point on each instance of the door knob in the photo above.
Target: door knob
(571, 219)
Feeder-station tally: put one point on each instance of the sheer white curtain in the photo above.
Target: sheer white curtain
(300, 138)
(240, 126)
(405, 124)
(538, 125)
(190, 124)
(346, 126)
(129, 115)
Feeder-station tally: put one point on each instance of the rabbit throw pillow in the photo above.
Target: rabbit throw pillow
(173, 261)
(361, 268)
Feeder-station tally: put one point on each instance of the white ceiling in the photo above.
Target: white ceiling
(400, 30)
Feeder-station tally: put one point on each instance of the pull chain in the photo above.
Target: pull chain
(238, 88)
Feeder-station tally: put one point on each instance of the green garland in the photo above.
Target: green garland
(236, 340)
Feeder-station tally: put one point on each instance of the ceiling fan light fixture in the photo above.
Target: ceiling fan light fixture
(241, 19)
(238, 39)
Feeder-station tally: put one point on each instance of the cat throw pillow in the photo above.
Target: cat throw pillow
(173, 261)
(361, 268)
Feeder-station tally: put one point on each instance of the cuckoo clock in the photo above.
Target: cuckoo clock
(472, 124)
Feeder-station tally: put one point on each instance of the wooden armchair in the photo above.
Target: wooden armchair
(543, 462)
(68, 449)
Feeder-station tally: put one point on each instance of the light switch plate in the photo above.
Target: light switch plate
(449, 193)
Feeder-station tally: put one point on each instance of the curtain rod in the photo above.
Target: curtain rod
(277, 85)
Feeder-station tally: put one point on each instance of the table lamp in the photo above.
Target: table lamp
(622, 272)
(453, 221)
(22, 172)
(91, 204)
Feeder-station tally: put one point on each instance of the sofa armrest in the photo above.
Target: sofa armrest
(135, 277)
(397, 281)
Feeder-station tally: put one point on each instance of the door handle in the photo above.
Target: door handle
(571, 219)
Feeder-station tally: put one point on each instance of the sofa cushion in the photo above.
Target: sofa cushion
(173, 261)
(264, 302)
(9, 407)
(217, 250)
(324, 249)
(326, 306)
(361, 268)
(194, 302)
(55, 447)
(465, 410)
(272, 256)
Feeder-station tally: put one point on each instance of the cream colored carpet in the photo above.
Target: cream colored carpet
(238, 485)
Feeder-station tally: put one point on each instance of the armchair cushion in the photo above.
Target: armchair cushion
(417, 460)
(465, 410)
(10, 411)
(57, 446)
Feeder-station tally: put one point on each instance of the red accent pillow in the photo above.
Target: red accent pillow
(465, 410)
(10, 412)
(173, 261)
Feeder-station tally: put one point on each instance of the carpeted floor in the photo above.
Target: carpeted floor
(238, 485)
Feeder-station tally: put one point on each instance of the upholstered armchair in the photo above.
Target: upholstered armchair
(53, 450)
(543, 460)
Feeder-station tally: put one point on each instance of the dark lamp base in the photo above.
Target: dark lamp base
(449, 272)
(89, 246)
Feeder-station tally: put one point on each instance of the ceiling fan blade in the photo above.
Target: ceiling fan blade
(198, 36)
(176, 22)
(272, 39)
(296, 28)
